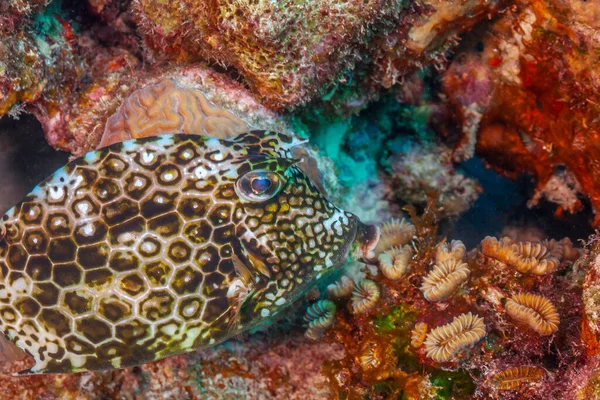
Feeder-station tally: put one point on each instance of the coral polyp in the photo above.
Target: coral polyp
(394, 262)
(443, 280)
(513, 378)
(454, 250)
(535, 311)
(570, 252)
(364, 297)
(372, 356)
(418, 334)
(319, 316)
(341, 289)
(535, 258)
(395, 233)
(488, 331)
(525, 257)
(446, 342)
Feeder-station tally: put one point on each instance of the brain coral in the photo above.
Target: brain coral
(183, 98)
(166, 107)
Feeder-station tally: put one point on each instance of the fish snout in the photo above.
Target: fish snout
(367, 237)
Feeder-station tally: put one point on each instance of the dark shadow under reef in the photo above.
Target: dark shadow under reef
(503, 203)
(25, 158)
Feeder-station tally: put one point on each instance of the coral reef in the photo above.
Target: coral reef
(13, 12)
(267, 367)
(512, 378)
(505, 333)
(394, 262)
(73, 84)
(393, 106)
(81, 77)
(590, 263)
(535, 311)
(446, 342)
(284, 57)
(165, 107)
(74, 75)
(343, 288)
(420, 170)
(540, 258)
(524, 120)
(319, 316)
(66, 79)
(289, 59)
(444, 279)
(364, 297)
(395, 233)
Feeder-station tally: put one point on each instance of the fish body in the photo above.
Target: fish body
(162, 245)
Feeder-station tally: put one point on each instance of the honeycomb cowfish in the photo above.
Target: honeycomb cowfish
(162, 245)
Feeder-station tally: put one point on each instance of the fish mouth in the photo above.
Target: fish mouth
(253, 276)
(367, 237)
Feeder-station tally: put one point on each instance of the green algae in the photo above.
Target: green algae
(400, 319)
(492, 343)
(395, 327)
(452, 384)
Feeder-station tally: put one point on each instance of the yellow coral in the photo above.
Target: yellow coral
(393, 263)
(499, 249)
(341, 289)
(526, 257)
(445, 342)
(444, 279)
(535, 311)
(454, 250)
(570, 252)
(395, 233)
(418, 334)
(512, 378)
(371, 355)
(365, 296)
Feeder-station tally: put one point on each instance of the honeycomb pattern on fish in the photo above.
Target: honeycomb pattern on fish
(145, 249)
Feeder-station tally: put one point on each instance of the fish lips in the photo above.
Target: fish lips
(367, 238)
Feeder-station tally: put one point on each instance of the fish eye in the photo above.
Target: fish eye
(259, 185)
